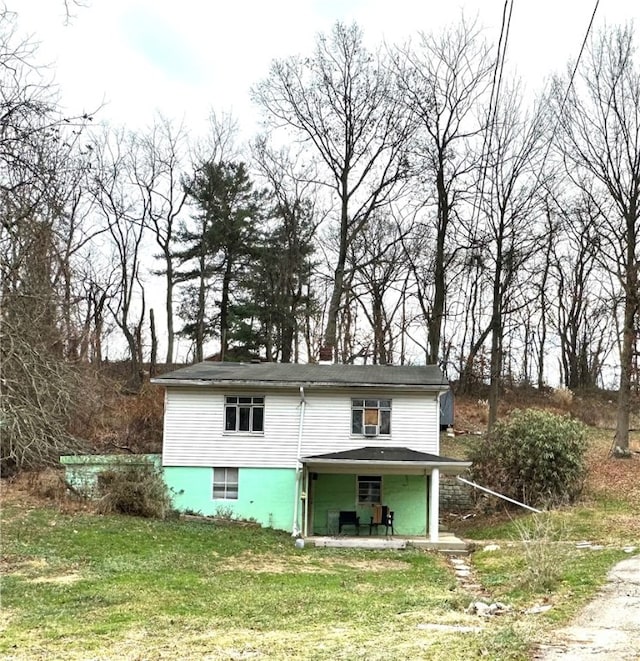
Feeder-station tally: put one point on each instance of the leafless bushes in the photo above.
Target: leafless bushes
(40, 394)
(134, 490)
(543, 551)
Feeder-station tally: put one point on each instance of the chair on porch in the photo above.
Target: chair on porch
(348, 518)
(382, 516)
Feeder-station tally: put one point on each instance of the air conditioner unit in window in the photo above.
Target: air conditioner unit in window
(371, 430)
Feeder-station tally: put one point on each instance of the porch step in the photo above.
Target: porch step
(447, 543)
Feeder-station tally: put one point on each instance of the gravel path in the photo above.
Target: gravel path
(608, 628)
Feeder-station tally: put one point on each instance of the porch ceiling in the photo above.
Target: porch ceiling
(384, 460)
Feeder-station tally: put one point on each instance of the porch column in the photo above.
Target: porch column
(434, 505)
(305, 502)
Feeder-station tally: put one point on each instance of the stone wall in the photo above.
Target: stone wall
(454, 495)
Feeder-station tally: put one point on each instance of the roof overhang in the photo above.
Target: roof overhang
(323, 385)
(388, 460)
(385, 467)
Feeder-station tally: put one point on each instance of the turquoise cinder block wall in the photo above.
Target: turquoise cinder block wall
(406, 495)
(264, 494)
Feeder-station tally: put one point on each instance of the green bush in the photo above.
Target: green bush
(135, 490)
(533, 456)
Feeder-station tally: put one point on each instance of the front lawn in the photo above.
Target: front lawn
(77, 585)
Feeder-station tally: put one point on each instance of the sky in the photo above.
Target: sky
(126, 60)
(133, 58)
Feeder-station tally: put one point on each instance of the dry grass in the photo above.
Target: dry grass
(596, 409)
(272, 564)
(562, 398)
(610, 478)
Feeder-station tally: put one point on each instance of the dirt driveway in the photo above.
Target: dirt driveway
(608, 628)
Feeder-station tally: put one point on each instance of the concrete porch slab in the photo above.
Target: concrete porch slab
(447, 543)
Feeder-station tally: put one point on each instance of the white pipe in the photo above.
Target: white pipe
(499, 495)
(295, 529)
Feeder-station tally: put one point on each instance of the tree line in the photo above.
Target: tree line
(403, 204)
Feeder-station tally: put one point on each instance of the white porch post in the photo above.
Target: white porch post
(434, 505)
(305, 504)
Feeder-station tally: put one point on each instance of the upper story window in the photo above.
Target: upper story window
(244, 414)
(371, 417)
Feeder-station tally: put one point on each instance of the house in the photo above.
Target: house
(312, 449)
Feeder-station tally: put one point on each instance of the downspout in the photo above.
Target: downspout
(295, 529)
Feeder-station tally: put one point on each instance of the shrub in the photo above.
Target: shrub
(562, 397)
(48, 483)
(533, 456)
(544, 552)
(135, 490)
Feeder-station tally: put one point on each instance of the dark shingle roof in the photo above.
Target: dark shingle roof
(383, 455)
(425, 376)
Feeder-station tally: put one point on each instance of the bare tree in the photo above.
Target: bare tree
(379, 265)
(599, 127)
(509, 232)
(39, 389)
(159, 175)
(343, 103)
(123, 212)
(444, 81)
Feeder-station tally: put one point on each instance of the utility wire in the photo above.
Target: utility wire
(493, 112)
(491, 120)
(566, 95)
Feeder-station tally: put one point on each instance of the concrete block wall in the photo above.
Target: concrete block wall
(81, 471)
(454, 496)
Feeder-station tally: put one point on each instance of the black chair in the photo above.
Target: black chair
(348, 518)
(384, 517)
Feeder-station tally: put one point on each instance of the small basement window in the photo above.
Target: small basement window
(225, 483)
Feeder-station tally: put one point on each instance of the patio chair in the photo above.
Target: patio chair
(382, 516)
(348, 518)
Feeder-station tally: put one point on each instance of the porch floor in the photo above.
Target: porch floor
(447, 542)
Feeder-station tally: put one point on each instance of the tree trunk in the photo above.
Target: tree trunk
(631, 306)
(169, 307)
(154, 344)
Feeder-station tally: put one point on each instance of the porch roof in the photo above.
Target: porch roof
(404, 459)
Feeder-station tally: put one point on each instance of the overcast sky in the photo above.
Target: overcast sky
(185, 58)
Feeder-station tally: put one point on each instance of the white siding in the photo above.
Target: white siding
(194, 431)
(194, 427)
(327, 425)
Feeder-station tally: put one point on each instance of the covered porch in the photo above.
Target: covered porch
(375, 497)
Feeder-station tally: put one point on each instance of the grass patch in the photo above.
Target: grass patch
(579, 575)
(80, 585)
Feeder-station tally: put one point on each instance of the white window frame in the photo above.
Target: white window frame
(365, 406)
(233, 402)
(227, 479)
(370, 481)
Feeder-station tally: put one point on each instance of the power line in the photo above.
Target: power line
(493, 110)
(566, 95)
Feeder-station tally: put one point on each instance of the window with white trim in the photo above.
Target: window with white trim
(225, 483)
(371, 417)
(244, 414)
(369, 489)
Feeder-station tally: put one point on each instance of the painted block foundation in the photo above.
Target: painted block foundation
(265, 495)
(81, 471)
